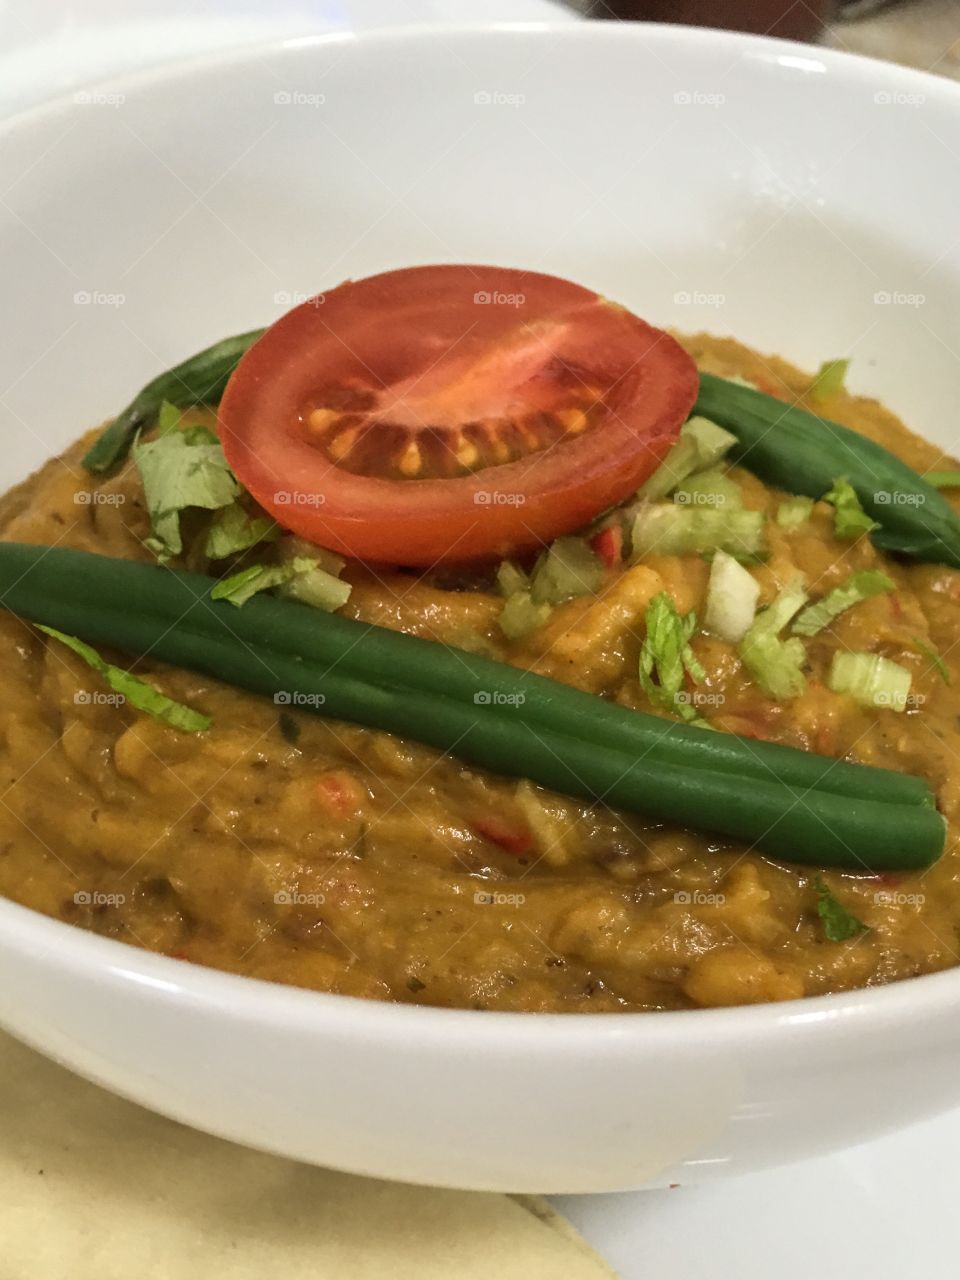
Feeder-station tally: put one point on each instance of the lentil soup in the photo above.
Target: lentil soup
(309, 851)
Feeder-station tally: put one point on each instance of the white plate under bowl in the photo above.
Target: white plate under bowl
(802, 200)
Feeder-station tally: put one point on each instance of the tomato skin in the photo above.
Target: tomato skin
(405, 326)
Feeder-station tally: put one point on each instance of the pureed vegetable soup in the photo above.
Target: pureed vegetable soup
(310, 851)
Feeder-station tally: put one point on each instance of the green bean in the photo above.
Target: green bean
(201, 379)
(386, 656)
(802, 453)
(278, 647)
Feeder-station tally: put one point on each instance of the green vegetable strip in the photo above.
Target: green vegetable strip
(271, 645)
(132, 689)
(935, 658)
(802, 453)
(201, 379)
(860, 586)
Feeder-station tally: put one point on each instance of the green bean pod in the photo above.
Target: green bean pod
(384, 656)
(201, 379)
(802, 453)
(277, 647)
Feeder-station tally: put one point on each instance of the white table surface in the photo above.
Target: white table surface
(884, 1210)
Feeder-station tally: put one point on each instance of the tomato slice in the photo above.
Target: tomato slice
(452, 413)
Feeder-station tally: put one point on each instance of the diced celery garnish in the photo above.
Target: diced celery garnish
(319, 589)
(713, 488)
(520, 615)
(871, 680)
(667, 529)
(511, 578)
(713, 442)
(568, 568)
(701, 444)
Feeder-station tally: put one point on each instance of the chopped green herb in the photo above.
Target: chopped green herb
(300, 578)
(943, 479)
(666, 657)
(137, 692)
(242, 586)
(775, 664)
(794, 512)
(929, 652)
(870, 680)
(181, 469)
(839, 924)
(234, 529)
(849, 518)
(828, 379)
(859, 586)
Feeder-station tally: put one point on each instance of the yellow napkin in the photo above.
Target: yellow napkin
(95, 1188)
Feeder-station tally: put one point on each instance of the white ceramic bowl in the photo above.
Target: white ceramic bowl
(800, 199)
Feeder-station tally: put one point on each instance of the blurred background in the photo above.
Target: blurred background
(52, 46)
(916, 33)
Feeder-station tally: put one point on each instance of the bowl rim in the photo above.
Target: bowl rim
(668, 33)
(70, 948)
